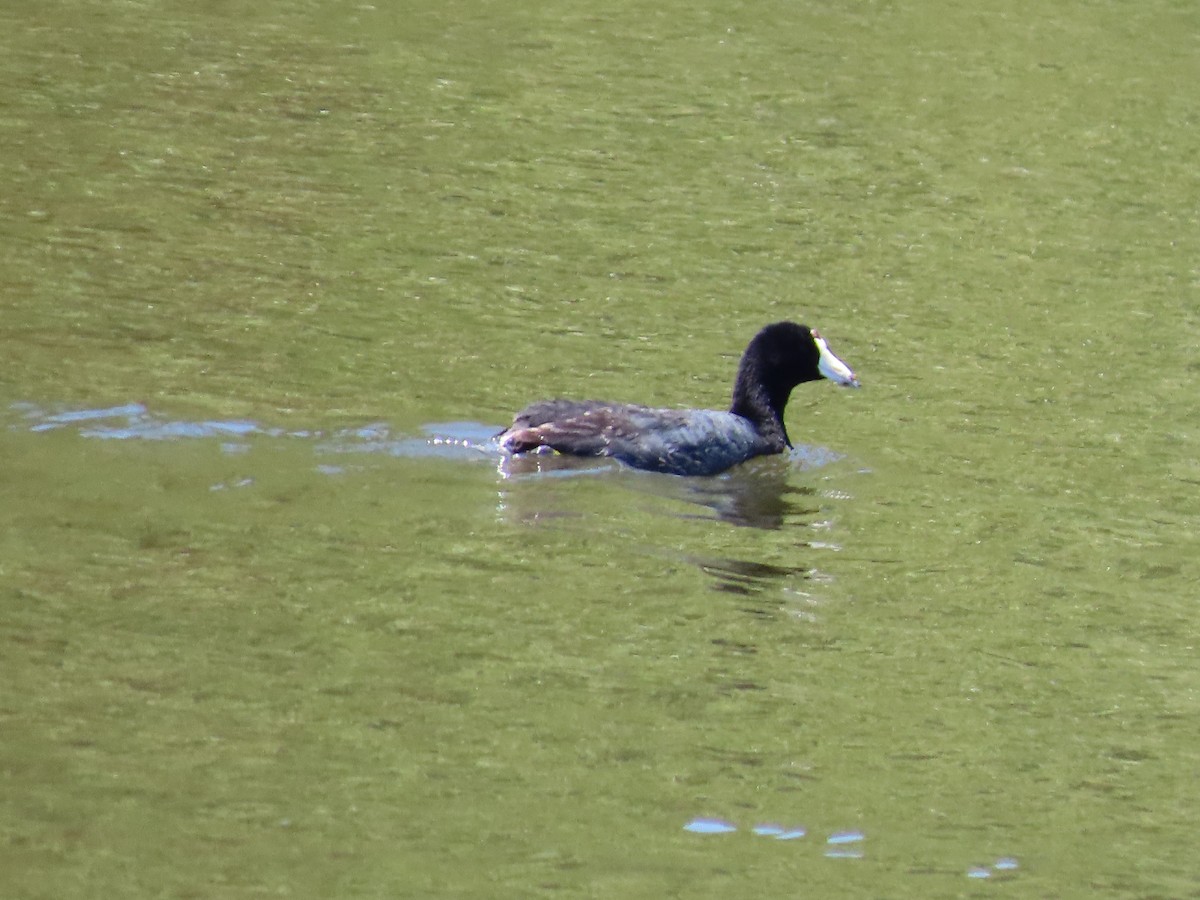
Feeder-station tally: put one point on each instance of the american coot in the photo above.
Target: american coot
(690, 441)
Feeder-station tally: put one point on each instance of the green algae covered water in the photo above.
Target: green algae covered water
(278, 620)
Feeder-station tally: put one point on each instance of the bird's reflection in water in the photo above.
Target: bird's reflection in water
(745, 577)
(528, 466)
(760, 494)
(531, 493)
(755, 495)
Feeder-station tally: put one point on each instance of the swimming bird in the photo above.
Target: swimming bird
(690, 441)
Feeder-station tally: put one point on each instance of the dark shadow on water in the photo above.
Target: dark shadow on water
(745, 577)
(760, 494)
(757, 494)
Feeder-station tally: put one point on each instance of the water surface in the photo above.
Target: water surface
(272, 626)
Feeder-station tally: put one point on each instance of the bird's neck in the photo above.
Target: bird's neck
(753, 401)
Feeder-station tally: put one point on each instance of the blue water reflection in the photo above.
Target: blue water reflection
(133, 421)
(846, 844)
(779, 832)
(709, 826)
(846, 837)
(704, 825)
(1004, 866)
